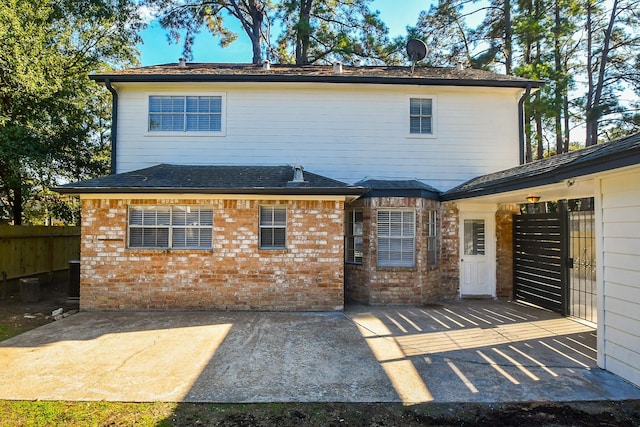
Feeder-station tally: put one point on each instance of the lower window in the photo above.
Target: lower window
(396, 238)
(170, 227)
(273, 227)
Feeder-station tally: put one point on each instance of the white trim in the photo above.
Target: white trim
(599, 253)
(434, 116)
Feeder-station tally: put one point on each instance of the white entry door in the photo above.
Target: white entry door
(477, 255)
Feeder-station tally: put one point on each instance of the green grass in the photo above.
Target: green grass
(7, 332)
(40, 413)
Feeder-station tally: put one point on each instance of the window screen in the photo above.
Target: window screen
(421, 116)
(166, 227)
(185, 113)
(273, 227)
(353, 237)
(396, 238)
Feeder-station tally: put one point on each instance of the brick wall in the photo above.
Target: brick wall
(234, 275)
(405, 285)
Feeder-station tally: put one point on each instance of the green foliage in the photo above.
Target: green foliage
(52, 116)
(585, 66)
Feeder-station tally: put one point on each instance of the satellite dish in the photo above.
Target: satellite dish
(417, 50)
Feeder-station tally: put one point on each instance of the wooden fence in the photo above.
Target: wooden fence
(36, 250)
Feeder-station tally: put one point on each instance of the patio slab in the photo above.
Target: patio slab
(464, 351)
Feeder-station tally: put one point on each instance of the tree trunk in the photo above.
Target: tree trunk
(539, 130)
(558, 77)
(594, 109)
(303, 33)
(508, 39)
(16, 206)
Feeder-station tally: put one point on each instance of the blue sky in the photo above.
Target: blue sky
(396, 14)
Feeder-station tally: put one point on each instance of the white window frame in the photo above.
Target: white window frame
(169, 227)
(223, 115)
(434, 116)
(351, 237)
(272, 226)
(388, 263)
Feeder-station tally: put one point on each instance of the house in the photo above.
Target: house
(201, 213)
(299, 187)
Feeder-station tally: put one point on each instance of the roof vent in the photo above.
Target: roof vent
(266, 64)
(297, 173)
(460, 66)
(298, 178)
(337, 67)
(182, 62)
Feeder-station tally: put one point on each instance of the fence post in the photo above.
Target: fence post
(563, 211)
(3, 294)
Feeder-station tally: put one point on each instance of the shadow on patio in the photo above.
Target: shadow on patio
(483, 350)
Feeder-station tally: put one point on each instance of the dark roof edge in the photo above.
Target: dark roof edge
(292, 191)
(408, 192)
(281, 78)
(601, 164)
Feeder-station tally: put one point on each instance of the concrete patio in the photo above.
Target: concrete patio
(462, 351)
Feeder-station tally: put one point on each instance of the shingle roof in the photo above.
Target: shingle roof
(315, 73)
(597, 158)
(398, 188)
(165, 178)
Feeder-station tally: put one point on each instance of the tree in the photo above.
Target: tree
(191, 16)
(612, 45)
(329, 30)
(49, 109)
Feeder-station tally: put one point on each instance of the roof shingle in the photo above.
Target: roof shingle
(315, 73)
(165, 178)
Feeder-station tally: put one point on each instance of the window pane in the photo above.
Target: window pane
(192, 104)
(179, 238)
(177, 104)
(135, 237)
(474, 237)
(206, 216)
(426, 107)
(425, 125)
(414, 106)
(415, 126)
(215, 104)
(155, 104)
(135, 216)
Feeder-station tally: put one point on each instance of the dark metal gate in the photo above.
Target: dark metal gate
(540, 258)
(582, 277)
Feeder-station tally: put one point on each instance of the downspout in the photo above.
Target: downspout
(523, 98)
(114, 124)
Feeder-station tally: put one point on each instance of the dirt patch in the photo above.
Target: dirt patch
(17, 317)
(465, 415)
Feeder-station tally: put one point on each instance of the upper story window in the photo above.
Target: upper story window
(273, 227)
(170, 227)
(185, 113)
(396, 238)
(353, 237)
(421, 116)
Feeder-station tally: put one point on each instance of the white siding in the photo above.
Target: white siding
(345, 132)
(620, 235)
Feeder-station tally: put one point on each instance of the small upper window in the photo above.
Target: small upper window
(273, 227)
(185, 113)
(421, 116)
